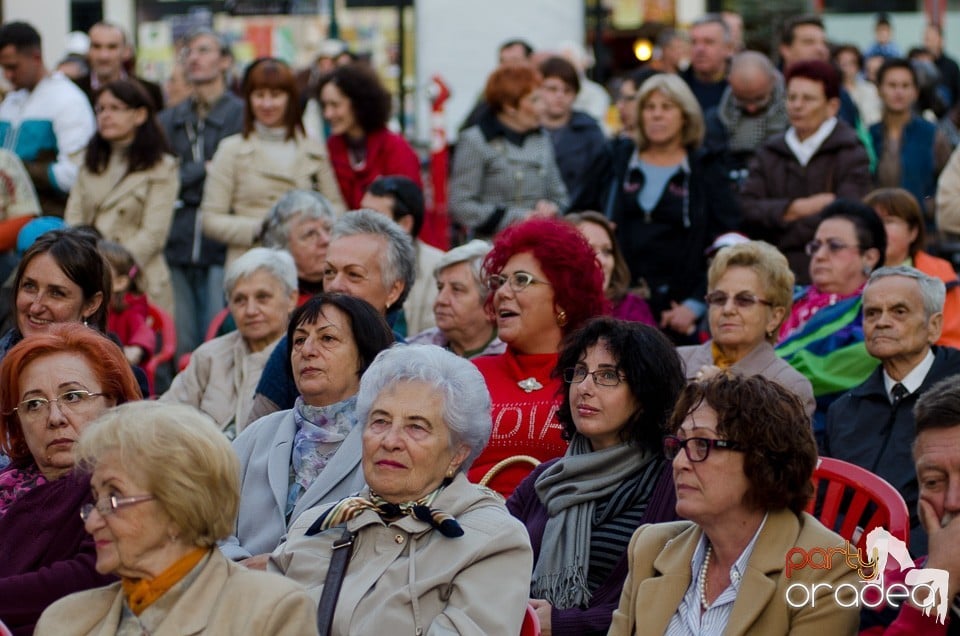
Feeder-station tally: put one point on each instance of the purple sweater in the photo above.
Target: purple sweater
(595, 618)
(45, 554)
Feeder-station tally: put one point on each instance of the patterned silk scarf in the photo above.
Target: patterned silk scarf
(320, 431)
(349, 507)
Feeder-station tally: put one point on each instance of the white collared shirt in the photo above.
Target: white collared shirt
(688, 619)
(912, 381)
(804, 150)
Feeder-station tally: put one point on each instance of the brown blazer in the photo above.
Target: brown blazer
(137, 213)
(761, 361)
(660, 556)
(225, 599)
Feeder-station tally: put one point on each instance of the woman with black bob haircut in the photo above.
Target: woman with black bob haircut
(357, 108)
(129, 182)
(621, 382)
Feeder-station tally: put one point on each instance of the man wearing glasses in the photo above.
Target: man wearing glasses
(872, 425)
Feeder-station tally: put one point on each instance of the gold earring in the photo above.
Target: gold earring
(562, 319)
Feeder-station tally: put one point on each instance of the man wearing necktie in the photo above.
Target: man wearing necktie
(872, 425)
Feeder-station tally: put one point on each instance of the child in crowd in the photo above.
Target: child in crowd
(127, 313)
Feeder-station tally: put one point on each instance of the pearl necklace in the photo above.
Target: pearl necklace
(702, 579)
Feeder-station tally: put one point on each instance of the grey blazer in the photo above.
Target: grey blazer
(264, 449)
(763, 360)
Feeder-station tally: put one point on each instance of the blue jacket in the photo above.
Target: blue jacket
(917, 164)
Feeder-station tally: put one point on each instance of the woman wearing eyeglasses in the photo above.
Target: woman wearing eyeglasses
(621, 382)
(52, 385)
(742, 457)
(128, 184)
(165, 487)
(749, 293)
(545, 282)
(822, 338)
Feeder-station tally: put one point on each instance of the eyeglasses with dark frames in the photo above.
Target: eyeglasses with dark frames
(697, 449)
(518, 281)
(601, 377)
(110, 505)
(743, 300)
(833, 246)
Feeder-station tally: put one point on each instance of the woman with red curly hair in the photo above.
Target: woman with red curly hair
(545, 283)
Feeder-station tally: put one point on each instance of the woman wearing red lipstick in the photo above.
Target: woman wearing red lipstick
(52, 385)
(742, 454)
(545, 282)
(433, 553)
(251, 171)
(296, 459)
(622, 379)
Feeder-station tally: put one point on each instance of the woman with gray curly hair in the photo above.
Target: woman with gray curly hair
(457, 561)
(300, 223)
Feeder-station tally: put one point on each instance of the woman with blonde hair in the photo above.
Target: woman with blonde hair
(667, 203)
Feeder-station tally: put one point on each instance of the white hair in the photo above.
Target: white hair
(277, 263)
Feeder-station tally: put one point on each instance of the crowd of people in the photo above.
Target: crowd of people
(602, 407)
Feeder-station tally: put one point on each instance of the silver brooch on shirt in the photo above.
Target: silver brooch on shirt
(530, 384)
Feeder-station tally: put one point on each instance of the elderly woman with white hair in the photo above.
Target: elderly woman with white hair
(463, 325)
(431, 552)
(300, 223)
(261, 288)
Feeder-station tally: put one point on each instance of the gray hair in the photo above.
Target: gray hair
(277, 263)
(714, 18)
(398, 262)
(295, 204)
(465, 399)
(471, 253)
(932, 290)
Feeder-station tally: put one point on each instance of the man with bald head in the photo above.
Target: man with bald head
(110, 55)
(751, 109)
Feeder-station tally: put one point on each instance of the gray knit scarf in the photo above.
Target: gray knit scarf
(569, 490)
(747, 133)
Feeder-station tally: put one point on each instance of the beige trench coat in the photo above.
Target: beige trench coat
(137, 213)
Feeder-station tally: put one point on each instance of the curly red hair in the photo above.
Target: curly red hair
(568, 261)
(507, 85)
(105, 358)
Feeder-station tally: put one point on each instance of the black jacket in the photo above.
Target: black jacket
(863, 428)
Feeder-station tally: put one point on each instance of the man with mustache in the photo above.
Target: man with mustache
(872, 425)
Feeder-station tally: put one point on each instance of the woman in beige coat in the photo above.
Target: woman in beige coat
(128, 184)
(433, 553)
(252, 170)
(165, 487)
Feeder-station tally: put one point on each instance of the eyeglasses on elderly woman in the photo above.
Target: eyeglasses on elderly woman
(697, 449)
(833, 246)
(38, 408)
(518, 281)
(110, 505)
(743, 300)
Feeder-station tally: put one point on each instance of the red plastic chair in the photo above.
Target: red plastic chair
(849, 490)
(212, 330)
(162, 324)
(531, 624)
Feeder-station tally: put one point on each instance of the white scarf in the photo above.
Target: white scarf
(804, 150)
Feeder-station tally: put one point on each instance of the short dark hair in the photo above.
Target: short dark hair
(270, 72)
(149, 142)
(369, 328)
(563, 70)
(653, 370)
(849, 48)
(407, 198)
(369, 100)
(869, 228)
(790, 26)
(772, 429)
(817, 71)
(527, 49)
(897, 62)
(21, 35)
(75, 252)
(938, 406)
